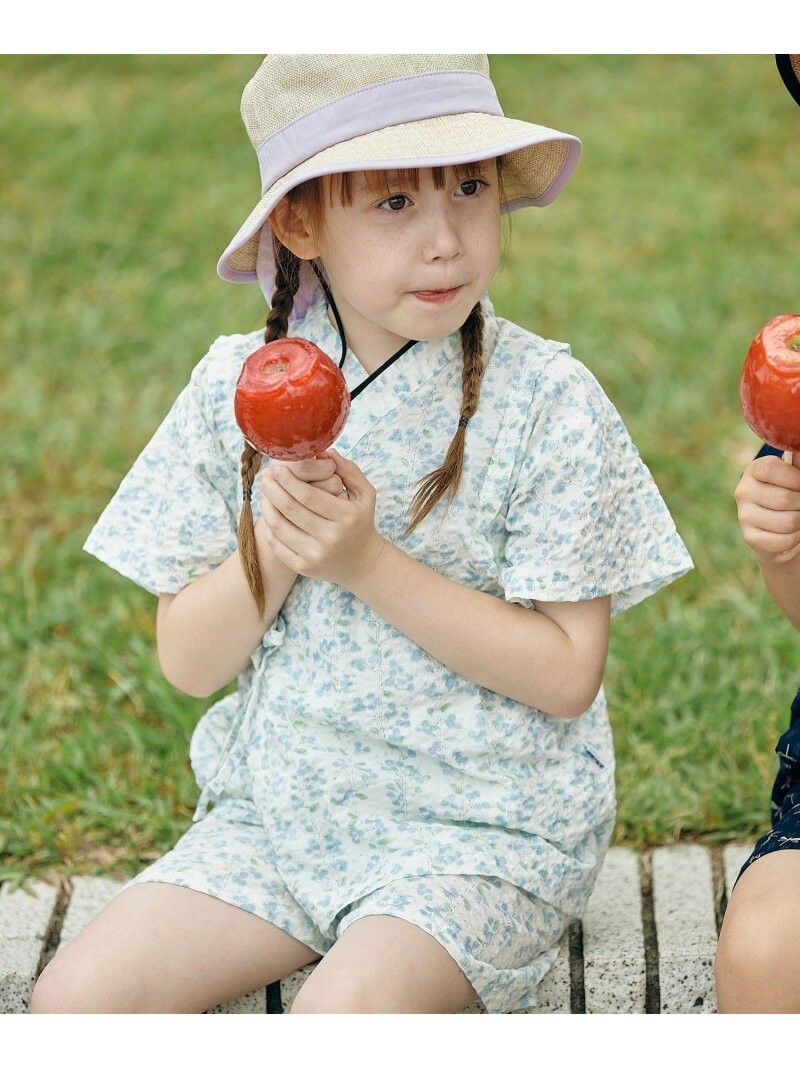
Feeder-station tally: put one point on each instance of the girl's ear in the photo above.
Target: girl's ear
(292, 230)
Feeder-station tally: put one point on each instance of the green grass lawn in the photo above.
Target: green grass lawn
(123, 178)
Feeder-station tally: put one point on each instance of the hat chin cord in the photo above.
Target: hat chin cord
(340, 327)
(332, 303)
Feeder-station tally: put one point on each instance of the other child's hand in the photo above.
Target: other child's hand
(768, 500)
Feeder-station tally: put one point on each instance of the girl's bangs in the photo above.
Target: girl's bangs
(309, 194)
(383, 182)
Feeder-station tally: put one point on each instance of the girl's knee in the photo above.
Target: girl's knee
(78, 984)
(63, 989)
(758, 931)
(758, 958)
(346, 995)
(754, 944)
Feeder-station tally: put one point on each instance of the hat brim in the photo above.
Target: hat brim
(538, 163)
(789, 70)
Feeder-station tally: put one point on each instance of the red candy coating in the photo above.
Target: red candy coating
(291, 400)
(769, 390)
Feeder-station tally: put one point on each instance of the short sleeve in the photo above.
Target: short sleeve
(173, 517)
(585, 517)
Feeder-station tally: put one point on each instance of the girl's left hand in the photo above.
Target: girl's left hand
(317, 534)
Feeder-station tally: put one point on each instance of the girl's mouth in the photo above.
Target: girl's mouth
(436, 296)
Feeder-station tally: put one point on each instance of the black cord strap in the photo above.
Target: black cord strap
(340, 327)
(388, 363)
(335, 310)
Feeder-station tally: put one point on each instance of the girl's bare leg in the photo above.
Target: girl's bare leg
(758, 957)
(382, 964)
(159, 948)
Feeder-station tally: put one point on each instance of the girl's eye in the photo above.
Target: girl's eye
(470, 187)
(395, 203)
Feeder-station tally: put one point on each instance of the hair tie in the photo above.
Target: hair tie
(463, 420)
(247, 493)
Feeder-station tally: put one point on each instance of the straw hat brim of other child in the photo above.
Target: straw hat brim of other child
(789, 70)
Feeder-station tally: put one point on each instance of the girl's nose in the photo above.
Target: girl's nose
(443, 240)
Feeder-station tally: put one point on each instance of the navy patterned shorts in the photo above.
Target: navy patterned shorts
(785, 832)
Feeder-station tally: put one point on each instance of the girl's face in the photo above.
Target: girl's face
(413, 263)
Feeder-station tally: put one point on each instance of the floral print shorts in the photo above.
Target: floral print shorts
(503, 939)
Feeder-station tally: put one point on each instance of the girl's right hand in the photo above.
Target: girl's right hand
(319, 472)
(768, 500)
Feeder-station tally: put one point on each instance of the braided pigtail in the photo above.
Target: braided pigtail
(287, 279)
(445, 479)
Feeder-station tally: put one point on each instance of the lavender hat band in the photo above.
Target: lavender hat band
(390, 103)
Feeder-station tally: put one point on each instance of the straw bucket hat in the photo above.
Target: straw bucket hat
(789, 69)
(309, 115)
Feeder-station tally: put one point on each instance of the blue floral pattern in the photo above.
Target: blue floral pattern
(367, 760)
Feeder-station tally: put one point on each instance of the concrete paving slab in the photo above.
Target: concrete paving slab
(254, 1002)
(613, 938)
(24, 920)
(683, 902)
(26, 913)
(19, 958)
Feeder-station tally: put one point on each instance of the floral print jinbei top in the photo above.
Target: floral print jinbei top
(368, 760)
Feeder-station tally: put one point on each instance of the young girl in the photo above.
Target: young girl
(758, 954)
(414, 778)
(758, 957)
